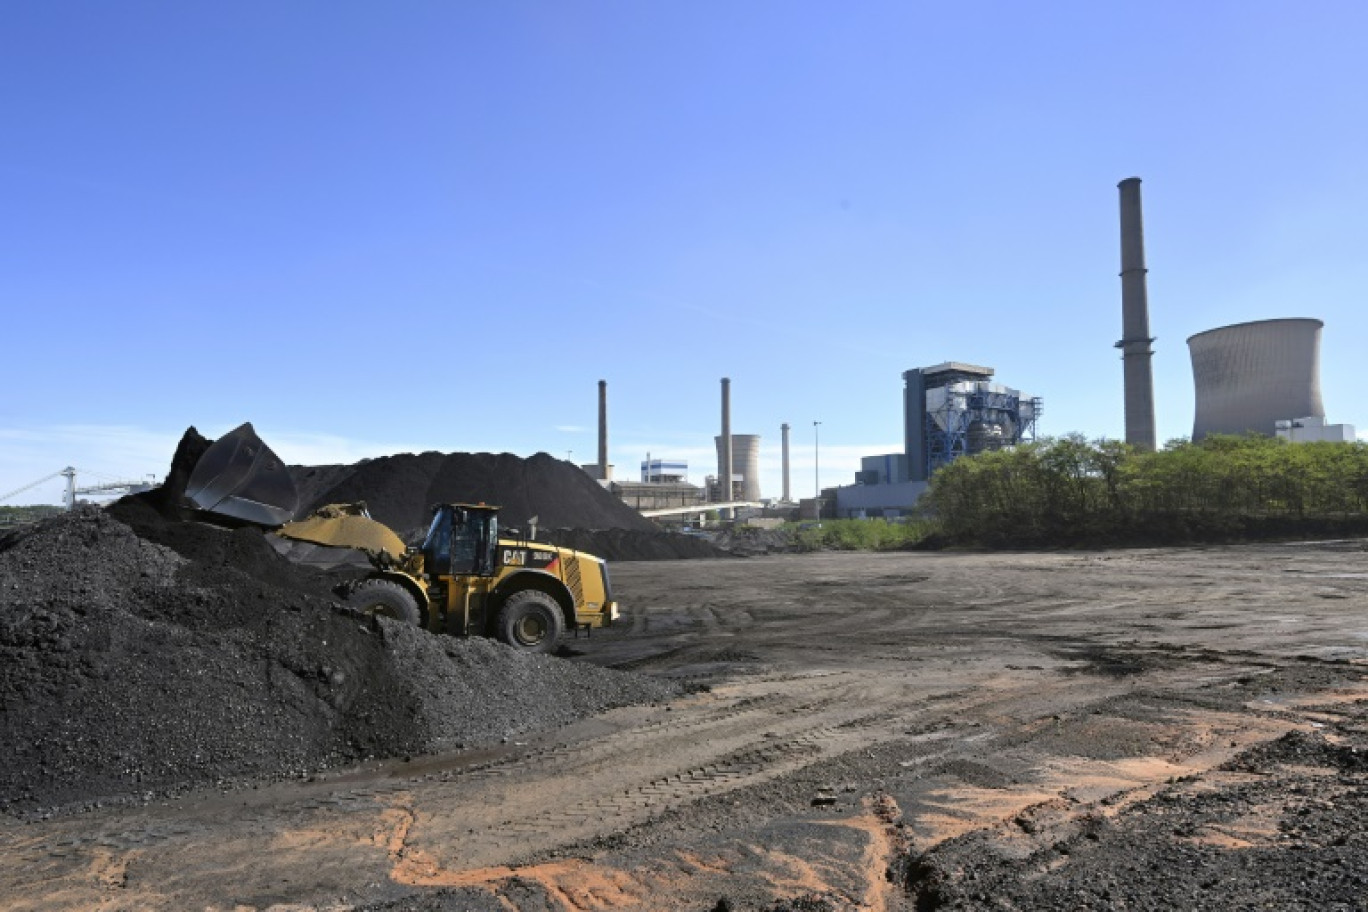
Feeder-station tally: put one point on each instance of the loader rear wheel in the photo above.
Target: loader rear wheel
(385, 598)
(530, 620)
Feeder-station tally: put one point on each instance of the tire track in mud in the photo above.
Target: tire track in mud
(938, 734)
(669, 763)
(436, 829)
(746, 734)
(858, 873)
(490, 823)
(677, 633)
(429, 829)
(505, 822)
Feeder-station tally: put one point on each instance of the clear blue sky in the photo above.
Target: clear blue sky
(374, 228)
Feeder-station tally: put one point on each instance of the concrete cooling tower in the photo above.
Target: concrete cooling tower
(1251, 375)
(745, 467)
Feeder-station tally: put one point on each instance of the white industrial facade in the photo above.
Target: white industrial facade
(1314, 430)
(664, 471)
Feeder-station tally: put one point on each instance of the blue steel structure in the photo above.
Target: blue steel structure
(989, 419)
(953, 409)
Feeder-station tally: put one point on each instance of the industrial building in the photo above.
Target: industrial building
(655, 495)
(1261, 377)
(950, 410)
(954, 409)
(1314, 430)
(662, 471)
(664, 485)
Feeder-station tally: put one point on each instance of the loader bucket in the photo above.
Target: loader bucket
(240, 477)
(345, 526)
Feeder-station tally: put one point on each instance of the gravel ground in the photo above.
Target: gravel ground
(130, 669)
(1283, 825)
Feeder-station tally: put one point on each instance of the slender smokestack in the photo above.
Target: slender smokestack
(1135, 340)
(785, 429)
(724, 471)
(603, 430)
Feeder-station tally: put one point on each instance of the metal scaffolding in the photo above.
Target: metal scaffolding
(975, 417)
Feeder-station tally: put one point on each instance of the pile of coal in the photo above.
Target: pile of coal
(571, 508)
(142, 656)
(401, 490)
(633, 545)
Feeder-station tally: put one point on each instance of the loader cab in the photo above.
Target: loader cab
(461, 540)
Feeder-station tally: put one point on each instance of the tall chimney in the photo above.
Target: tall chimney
(724, 471)
(784, 428)
(1135, 340)
(603, 430)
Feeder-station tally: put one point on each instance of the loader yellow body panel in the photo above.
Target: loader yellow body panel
(337, 526)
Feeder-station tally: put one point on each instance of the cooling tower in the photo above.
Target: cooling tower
(1251, 375)
(745, 467)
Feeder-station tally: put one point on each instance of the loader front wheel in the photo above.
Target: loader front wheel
(530, 620)
(386, 598)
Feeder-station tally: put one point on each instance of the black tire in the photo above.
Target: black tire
(386, 598)
(530, 621)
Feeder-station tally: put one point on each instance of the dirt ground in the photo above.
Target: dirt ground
(1147, 729)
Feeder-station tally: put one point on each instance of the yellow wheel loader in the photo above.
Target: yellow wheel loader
(464, 579)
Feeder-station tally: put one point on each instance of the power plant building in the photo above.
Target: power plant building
(662, 471)
(889, 468)
(1314, 430)
(640, 495)
(954, 409)
(1250, 376)
(664, 485)
(950, 410)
